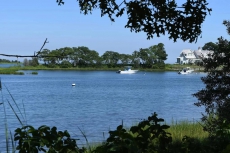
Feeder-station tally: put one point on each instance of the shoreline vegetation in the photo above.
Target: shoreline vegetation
(184, 133)
(168, 67)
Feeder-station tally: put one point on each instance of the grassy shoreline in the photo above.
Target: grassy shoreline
(179, 130)
(185, 128)
(169, 67)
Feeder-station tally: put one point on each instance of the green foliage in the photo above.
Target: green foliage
(111, 57)
(153, 57)
(45, 139)
(210, 46)
(227, 149)
(25, 62)
(221, 139)
(227, 24)
(125, 59)
(34, 62)
(6, 61)
(215, 96)
(34, 73)
(82, 57)
(51, 65)
(148, 136)
(154, 17)
(65, 64)
(11, 70)
(185, 128)
(192, 145)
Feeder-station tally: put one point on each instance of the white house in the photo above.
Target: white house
(188, 56)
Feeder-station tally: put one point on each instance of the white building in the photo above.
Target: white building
(188, 56)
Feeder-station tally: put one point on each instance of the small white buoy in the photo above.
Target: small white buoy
(73, 84)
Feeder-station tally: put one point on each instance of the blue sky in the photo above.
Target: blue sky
(25, 24)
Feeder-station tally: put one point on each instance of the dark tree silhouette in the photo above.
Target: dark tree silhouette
(215, 97)
(154, 17)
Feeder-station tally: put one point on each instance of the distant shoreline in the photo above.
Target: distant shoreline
(8, 69)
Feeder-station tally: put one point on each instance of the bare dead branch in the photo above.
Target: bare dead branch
(42, 46)
(41, 56)
(31, 55)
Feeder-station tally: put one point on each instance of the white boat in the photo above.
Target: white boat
(186, 70)
(127, 70)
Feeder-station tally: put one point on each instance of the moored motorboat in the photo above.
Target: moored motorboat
(186, 70)
(127, 70)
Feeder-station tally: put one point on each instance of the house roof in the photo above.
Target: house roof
(188, 53)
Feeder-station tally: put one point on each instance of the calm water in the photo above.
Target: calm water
(100, 100)
(5, 65)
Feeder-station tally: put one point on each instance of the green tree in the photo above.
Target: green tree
(83, 56)
(98, 62)
(111, 58)
(227, 24)
(83, 52)
(75, 56)
(215, 97)
(143, 54)
(65, 53)
(93, 57)
(65, 64)
(43, 55)
(155, 18)
(53, 58)
(136, 59)
(25, 62)
(34, 61)
(6, 61)
(153, 56)
(161, 53)
(210, 46)
(125, 59)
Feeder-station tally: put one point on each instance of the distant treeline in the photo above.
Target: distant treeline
(8, 61)
(152, 57)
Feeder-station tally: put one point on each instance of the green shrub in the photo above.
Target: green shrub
(45, 139)
(147, 136)
(35, 73)
(19, 73)
(65, 64)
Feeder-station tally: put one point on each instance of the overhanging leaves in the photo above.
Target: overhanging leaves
(154, 17)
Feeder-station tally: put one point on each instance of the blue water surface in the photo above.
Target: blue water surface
(99, 102)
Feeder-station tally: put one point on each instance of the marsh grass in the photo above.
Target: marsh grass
(34, 73)
(183, 128)
(11, 70)
(10, 144)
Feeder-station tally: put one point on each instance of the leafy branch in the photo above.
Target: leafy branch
(154, 17)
